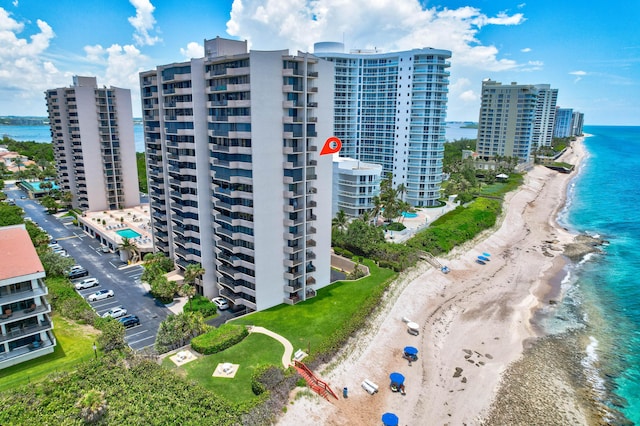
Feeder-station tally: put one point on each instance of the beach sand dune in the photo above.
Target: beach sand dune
(475, 322)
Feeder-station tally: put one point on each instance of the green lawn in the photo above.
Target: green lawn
(256, 349)
(74, 344)
(308, 325)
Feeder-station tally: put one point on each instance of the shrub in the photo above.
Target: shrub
(266, 377)
(396, 226)
(219, 339)
(201, 304)
(343, 252)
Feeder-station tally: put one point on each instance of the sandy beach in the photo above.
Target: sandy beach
(475, 324)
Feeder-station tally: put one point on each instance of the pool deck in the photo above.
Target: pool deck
(104, 225)
(415, 224)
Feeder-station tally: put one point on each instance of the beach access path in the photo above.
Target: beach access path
(474, 322)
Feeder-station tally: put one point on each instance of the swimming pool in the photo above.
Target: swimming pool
(409, 215)
(127, 233)
(35, 185)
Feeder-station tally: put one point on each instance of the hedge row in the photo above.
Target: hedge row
(457, 226)
(201, 304)
(219, 339)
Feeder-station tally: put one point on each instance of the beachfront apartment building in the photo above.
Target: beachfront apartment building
(564, 121)
(507, 119)
(577, 122)
(355, 183)
(25, 323)
(390, 109)
(544, 116)
(93, 144)
(236, 179)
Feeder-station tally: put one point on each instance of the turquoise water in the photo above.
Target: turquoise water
(409, 215)
(127, 233)
(36, 185)
(602, 302)
(43, 134)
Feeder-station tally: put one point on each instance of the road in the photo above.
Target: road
(112, 273)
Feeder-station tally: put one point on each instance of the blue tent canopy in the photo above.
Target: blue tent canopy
(390, 419)
(396, 378)
(410, 350)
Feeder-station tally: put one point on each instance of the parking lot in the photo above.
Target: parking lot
(111, 272)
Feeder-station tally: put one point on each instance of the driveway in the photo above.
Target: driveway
(112, 273)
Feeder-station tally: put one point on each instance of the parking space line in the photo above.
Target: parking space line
(136, 334)
(146, 338)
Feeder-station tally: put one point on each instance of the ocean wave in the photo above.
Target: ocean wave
(590, 363)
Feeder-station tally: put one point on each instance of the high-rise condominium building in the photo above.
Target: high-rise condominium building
(545, 115)
(577, 122)
(563, 125)
(506, 122)
(93, 142)
(236, 179)
(389, 109)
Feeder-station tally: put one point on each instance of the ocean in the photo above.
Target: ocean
(42, 134)
(601, 304)
(454, 131)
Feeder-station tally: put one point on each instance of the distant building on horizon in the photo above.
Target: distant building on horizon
(94, 146)
(390, 109)
(577, 122)
(507, 120)
(236, 179)
(545, 116)
(564, 123)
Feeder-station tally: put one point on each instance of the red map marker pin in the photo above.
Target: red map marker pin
(331, 146)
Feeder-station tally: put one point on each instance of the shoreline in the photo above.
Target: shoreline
(475, 322)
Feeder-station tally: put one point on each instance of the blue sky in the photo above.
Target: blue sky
(589, 50)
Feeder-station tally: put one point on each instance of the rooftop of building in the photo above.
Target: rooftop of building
(19, 257)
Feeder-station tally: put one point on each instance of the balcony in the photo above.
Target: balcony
(6, 297)
(22, 331)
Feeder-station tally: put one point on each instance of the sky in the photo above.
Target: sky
(588, 50)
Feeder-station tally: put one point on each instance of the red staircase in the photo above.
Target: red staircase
(318, 386)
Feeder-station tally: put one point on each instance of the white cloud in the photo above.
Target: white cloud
(526, 50)
(193, 50)
(468, 96)
(297, 24)
(521, 5)
(143, 23)
(121, 64)
(23, 68)
(578, 74)
(15, 3)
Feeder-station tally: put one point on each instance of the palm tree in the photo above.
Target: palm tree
(192, 272)
(341, 221)
(188, 291)
(377, 208)
(17, 161)
(130, 248)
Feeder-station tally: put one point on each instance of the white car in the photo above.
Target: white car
(221, 303)
(86, 283)
(115, 313)
(55, 247)
(62, 253)
(99, 295)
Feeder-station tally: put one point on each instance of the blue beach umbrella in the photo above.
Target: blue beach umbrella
(410, 350)
(396, 378)
(390, 419)
(486, 259)
(486, 254)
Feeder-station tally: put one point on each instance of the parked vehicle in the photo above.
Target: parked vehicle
(129, 321)
(221, 303)
(55, 246)
(62, 253)
(104, 249)
(115, 313)
(77, 273)
(99, 295)
(86, 283)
